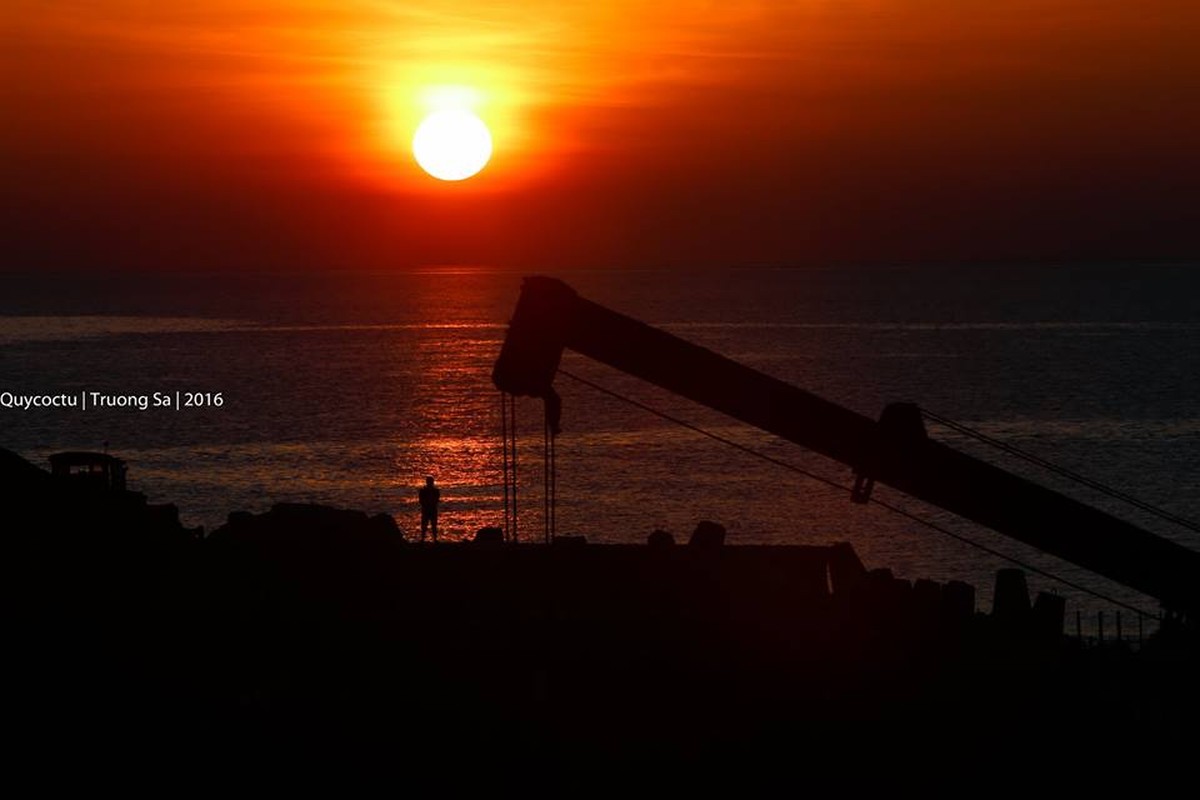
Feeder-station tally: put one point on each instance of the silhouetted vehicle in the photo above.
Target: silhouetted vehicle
(93, 470)
(100, 479)
(550, 316)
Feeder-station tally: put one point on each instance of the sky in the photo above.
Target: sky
(275, 135)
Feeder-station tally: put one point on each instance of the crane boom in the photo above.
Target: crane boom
(894, 450)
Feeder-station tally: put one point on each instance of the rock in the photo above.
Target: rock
(238, 518)
(385, 524)
(1011, 600)
(847, 574)
(707, 534)
(958, 603)
(316, 526)
(489, 535)
(660, 538)
(1049, 611)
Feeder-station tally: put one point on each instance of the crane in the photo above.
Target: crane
(894, 450)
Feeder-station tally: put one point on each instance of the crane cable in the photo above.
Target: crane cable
(882, 503)
(504, 446)
(552, 487)
(549, 479)
(508, 438)
(1063, 471)
(508, 441)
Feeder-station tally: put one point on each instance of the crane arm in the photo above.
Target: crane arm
(894, 450)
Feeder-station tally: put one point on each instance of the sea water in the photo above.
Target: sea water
(348, 388)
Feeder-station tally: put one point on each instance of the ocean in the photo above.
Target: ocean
(349, 388)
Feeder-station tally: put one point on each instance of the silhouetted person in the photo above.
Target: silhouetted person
(429, 496)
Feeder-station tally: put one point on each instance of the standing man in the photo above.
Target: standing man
(428, 497)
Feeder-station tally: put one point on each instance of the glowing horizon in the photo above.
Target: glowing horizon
(683, 131)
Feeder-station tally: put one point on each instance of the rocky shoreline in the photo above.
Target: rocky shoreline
(311, 629)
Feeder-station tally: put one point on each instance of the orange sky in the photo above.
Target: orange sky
(275, 134)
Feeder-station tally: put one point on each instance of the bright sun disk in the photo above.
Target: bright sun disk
(452, 144)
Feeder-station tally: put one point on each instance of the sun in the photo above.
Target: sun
(452, 144)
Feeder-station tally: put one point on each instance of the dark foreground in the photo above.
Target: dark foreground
(311, 636)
